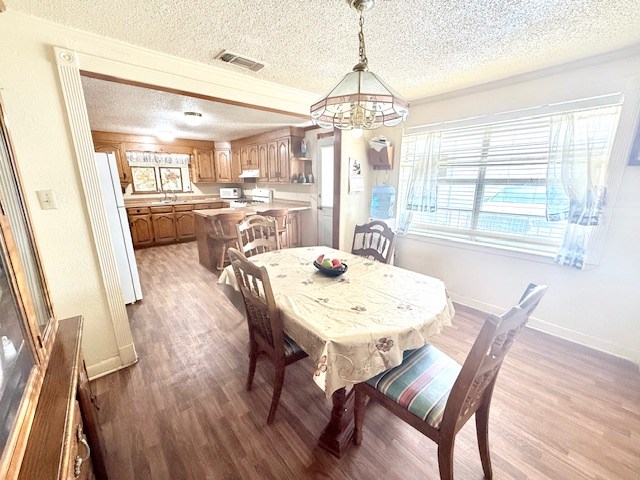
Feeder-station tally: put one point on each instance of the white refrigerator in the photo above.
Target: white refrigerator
(119, 227)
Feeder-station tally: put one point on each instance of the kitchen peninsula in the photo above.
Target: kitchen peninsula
(207, 253)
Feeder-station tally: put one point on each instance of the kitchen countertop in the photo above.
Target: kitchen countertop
(254, 209)
(154, 202)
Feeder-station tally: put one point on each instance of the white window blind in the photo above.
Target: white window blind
(490, 180)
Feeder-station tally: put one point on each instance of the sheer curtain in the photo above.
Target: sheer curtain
(156, 158)
(421, 192)
(579, 147)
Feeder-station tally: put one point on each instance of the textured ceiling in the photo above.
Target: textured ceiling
(419, 47)
(115, 107)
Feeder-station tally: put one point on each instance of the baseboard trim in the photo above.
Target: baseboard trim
(592, 345)
(106, 367)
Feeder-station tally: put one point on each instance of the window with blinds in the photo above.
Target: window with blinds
(489, 182)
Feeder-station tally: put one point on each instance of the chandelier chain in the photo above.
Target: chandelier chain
(362, 51)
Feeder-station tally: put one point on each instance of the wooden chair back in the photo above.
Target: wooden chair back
(374, 240)
(224, 225)
(258, 234)
(263, 316)
(474, 385)
(279, 214)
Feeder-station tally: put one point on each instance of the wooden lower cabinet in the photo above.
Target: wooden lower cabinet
(294, 230)
(65, 442)
(162, 225)
(164, 228)
(141, 230)
(185, 226)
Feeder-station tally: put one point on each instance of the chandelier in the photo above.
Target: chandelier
(361, 100)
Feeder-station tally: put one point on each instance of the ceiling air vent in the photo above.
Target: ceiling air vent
(240, 61)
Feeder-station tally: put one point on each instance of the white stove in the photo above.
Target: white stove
(257, 196)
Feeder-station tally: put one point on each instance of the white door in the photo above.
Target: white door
(325, 192)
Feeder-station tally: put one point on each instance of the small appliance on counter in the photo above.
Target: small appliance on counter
(230, 193)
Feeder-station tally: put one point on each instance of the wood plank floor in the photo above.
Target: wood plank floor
(559, 412)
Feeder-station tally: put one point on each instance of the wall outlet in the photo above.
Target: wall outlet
(47, 199)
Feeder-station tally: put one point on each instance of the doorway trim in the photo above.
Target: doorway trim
(69, 73)
(154, 70)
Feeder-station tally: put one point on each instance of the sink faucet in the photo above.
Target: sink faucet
(174, 196)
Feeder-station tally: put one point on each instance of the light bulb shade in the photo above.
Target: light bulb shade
(360, 100)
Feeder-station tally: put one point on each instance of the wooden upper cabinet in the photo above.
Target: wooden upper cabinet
(223, 166)
(262, 162)
(124, 170)
(253, 157)
(272, 153)
(236, 166)
(244, 158)
(205, 169)
(272, 161)
(283, 159)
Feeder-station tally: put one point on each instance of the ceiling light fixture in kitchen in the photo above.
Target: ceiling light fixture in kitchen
(193, 118)
(361, 100)
(165, 136)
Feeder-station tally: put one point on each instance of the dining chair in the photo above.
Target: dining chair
(374, 240)
(434, 394)
(281, 216)
(258, 234)
(266, 332)
(222, 234)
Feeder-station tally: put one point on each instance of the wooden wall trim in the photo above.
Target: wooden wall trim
(337, 180)
(269, 136)
(322, 135)
(71, 84)
(111, 78)
(139, 141)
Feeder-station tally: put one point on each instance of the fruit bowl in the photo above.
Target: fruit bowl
(331, 272)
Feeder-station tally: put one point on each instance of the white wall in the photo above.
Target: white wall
(38, 122)
(354, 207)
(597, 307)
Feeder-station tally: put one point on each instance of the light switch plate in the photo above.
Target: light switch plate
(47, 199)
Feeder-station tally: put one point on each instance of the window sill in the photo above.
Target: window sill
(502, 250)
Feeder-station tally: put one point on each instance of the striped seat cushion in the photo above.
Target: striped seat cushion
(290, 347)
(421, 384)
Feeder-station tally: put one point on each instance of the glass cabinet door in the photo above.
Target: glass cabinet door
(15, 210)
(16, 356)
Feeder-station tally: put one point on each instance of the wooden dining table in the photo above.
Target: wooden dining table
(353, 326)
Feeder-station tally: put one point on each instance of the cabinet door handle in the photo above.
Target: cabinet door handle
(77, 464)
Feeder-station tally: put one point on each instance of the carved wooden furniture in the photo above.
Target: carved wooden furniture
(258, 234)
(276, 155)
(434, 394)
(266, 332)
(65, 440)
(349, 325)
(281, 216)
(222, 234)
(374, 240)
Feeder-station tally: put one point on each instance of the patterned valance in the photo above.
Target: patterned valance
(156, 158)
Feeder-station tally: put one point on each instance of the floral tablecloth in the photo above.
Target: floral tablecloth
(356, 325)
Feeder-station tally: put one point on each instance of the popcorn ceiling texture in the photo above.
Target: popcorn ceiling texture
(115, 107)
(420, 48)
